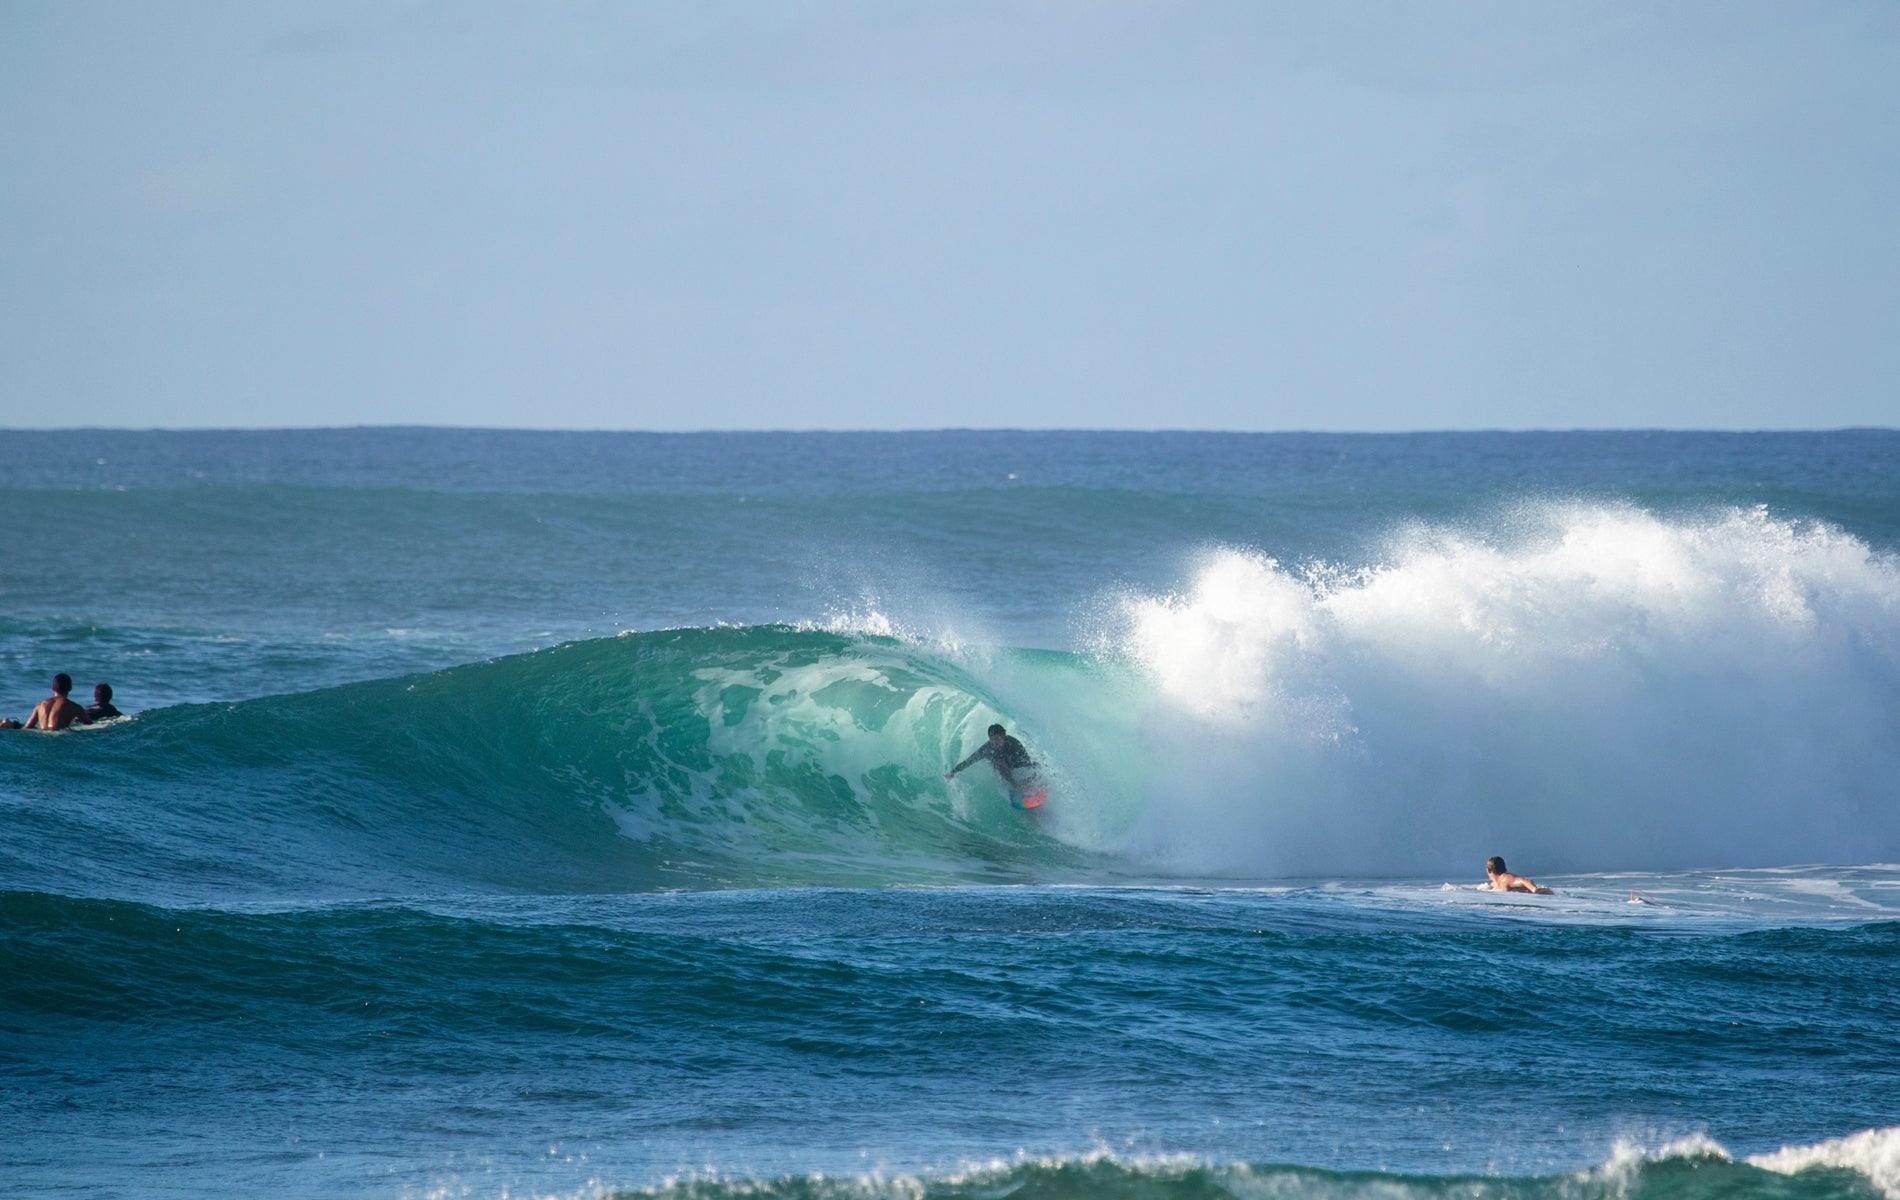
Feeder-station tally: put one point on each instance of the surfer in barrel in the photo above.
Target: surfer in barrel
(1502, 880)
(1013, 763)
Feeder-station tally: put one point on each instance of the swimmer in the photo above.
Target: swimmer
(56, 711)
(101, 707)
(1502, 880)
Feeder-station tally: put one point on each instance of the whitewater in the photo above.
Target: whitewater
(561, 814)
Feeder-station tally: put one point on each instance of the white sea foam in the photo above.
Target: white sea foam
(1871, 1153)
(1874, 1153)
(1581, 688)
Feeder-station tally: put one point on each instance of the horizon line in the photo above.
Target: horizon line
(1016, 429)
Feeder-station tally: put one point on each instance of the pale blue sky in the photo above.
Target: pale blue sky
(1338, 216)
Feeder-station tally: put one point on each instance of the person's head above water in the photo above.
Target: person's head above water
(998, 733)
(1494, 865)
(102, 693)
(62, 683)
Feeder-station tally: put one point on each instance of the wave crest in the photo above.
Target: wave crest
(1691, 1169)
(1593, 688)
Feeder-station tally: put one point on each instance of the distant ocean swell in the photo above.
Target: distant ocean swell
(1059, 1013)
(1590, 998)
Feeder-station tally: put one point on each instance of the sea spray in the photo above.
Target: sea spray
(1585, 687)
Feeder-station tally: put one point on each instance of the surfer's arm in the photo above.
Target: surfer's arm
(966, 762)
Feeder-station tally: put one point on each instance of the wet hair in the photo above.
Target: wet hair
(998, 731)
(62, 683)
(103, 691)
(1494, 865)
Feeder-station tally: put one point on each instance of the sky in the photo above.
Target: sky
(833, 215)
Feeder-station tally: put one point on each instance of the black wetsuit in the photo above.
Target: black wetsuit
(101, 712)
(1010, 754)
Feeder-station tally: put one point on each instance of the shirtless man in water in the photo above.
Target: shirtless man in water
(56, 711)
(1503, 881)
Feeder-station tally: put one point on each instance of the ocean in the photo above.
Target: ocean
(509, 814)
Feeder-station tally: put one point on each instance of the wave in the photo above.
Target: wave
(1304, 956)
(686, 758)
(1864, 1166)
(1580, 688)
(1584, 689)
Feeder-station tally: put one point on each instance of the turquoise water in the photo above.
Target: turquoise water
(512, 814)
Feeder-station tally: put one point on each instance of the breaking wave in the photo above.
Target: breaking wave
(1590, 689)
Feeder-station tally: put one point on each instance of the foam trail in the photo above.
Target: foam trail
(1585, 688)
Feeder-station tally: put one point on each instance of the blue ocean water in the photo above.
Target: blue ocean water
(531, 814)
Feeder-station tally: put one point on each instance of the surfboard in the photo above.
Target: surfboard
(1033, 798)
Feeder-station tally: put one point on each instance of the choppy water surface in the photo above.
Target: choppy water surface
(510, 814)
